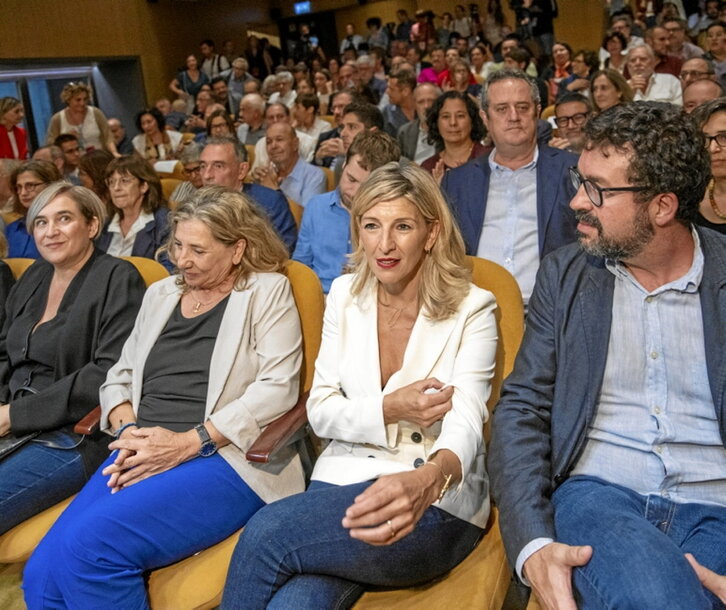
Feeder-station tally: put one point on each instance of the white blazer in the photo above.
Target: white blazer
(346, 400)
(253, 375)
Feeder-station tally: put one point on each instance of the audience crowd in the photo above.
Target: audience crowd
(485, 138)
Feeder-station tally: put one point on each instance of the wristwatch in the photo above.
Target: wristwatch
(209, 447)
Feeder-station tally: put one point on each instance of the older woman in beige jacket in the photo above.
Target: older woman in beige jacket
(214, 357)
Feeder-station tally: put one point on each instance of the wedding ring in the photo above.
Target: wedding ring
(393, 531)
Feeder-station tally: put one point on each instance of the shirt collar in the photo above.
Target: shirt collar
(689, 282)
(494, 166)
(144, 218)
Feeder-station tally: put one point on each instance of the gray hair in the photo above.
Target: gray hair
(285, 76)
(190, 153)
(509, 74)
(641, 47)
(365, 60)
(255, 100)
(240, 152)
(240, 62)
(89, 205)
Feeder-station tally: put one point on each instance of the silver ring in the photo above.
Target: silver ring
(393, 531)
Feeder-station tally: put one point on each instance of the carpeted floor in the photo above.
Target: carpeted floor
(11, 597)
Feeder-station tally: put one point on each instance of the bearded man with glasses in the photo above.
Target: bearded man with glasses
(608, 453)
(572, 112)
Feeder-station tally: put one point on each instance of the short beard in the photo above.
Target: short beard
(621, 249)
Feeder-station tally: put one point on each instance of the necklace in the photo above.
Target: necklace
(712, 199)
(397, 311)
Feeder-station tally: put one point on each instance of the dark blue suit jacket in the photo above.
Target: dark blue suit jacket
(550, 399)
(278, 210)
(154, 235)
(467, 188)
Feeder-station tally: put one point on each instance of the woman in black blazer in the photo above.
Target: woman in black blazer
(66, 321)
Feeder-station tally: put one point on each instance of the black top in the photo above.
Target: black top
(100, 307)
(32, 353)
(176, 374)
(7, 279)
(702, 221)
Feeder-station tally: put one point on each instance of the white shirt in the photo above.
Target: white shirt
(661, 88)
(288, 99)
(122, 245)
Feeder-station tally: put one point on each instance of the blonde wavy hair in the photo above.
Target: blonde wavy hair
(231, 216)
(445, 276)
(70, 90)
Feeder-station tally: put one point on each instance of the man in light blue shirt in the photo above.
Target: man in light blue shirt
(608, 453)
(298, 180)
(324, 240)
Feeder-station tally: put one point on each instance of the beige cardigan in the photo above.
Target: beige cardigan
(253, 378)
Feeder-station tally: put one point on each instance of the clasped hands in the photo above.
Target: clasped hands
(266, 176)
(144, 452)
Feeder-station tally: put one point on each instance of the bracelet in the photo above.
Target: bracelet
(120, 431)
(447, 480)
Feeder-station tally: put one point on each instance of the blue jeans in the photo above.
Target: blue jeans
(36, 477)
(296, 554)
(638, 545)
(97, 552)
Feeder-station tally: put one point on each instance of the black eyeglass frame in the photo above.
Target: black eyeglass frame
(578, 181)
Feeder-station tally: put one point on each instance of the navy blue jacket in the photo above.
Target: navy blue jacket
(467, 188)
(277, 208)
(154, 235)
(549, 401)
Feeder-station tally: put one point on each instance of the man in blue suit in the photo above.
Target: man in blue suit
(512, 206)
(224, 163)
(608, 453)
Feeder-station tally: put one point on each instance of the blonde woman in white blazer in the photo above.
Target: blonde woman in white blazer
(400, 494)
(213, 358)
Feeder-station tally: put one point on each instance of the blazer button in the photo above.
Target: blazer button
(416, 437)
(418, 462)
(560, 478)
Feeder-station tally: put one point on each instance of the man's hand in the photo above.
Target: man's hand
(4, 420)
(332, 147)
(549, 571)
(561, 143)
(715, 583)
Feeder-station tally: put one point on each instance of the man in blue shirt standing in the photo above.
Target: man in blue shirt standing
(608, 453)
(324, 240)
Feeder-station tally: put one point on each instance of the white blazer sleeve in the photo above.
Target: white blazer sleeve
(462, 427)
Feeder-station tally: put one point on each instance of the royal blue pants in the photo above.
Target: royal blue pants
(638, 545)
(96, 554)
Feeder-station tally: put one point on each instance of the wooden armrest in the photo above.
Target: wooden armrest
(90, 423)
(279, 432)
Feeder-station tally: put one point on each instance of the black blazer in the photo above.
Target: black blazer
(154, 235)
(103, 298)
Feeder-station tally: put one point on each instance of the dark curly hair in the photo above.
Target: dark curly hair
(668, 152)
(478, 131)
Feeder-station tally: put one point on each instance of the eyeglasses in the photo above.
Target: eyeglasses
(694, 73)
(719, 138)
(28, 186)
(122, 181)
(594, 192)
(193, 170)
(578, 119)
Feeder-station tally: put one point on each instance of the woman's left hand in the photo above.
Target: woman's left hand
(392, 506)
(150, 451)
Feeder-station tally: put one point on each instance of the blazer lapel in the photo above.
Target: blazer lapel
(595, 308)
(548, 181)
(226, 346)
(362, 324)
(713, 311)
(425, 346)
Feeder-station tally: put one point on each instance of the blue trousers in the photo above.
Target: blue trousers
(36, 477)
(96, 554)
(638, 545)
(295, 554)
